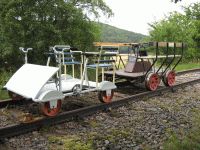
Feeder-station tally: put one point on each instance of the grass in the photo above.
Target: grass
(187, 66)
(68, 143)
(189, 141)
(86, 141)
(184, 66)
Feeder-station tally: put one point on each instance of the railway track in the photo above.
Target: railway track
(4, 103)
(17, 129)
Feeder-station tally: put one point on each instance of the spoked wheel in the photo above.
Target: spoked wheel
(14, 96)
(51, 112)
(106, 97)
(152, 81)
(169, 78)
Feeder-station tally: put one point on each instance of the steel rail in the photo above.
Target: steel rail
(23, 128)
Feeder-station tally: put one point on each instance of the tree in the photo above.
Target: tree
(176, 27)
(175, 1)
(193, 13)
(92, 6)
(179, 28)
(43, 23)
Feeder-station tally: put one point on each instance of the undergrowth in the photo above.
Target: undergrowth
(68, 143)
(4, 77)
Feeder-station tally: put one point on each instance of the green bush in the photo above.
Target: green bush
(4, 77)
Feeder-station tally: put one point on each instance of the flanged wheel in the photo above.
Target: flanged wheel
(169, 78)
(14, 96)
(152, 81)
(51, 112)
(105, 97)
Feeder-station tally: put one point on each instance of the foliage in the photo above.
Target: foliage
(43, 23)
(113, 34)
(180, 28)
(3, 95)
(193, 13)
(4, 76)
(93, 6)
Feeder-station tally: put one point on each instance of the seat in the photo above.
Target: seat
(131, 64)
(134, 66)
(99, 65)
(69, 59)
(102, 60)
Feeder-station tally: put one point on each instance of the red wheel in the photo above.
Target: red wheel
(152, 81)
(104, 97)
(51, 112)
(14, 96)
(169, 78)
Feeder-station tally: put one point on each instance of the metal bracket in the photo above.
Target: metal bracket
(53, 104)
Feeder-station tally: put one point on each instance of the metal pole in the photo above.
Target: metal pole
(59, 73)
(26, 58)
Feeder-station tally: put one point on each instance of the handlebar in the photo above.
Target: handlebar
(25, 50)
(60, 48)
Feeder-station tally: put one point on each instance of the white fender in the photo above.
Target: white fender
(106, 85)
(49, 95)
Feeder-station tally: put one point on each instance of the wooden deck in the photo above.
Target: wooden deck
(159, 56)
(122, 73)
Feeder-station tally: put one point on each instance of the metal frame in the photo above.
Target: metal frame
(101, 62)
(182, 48)
(84, 77)
(48, 91)
(102, 45)
(155, 58)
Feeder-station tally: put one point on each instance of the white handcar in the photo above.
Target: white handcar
(46, 85)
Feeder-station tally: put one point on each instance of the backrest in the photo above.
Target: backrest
(105, 57)
(141, 66)
(131, 64)
(68, 57)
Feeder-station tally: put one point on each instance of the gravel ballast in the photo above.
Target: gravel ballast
(146, 124)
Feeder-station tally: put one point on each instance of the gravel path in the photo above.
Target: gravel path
(141, 125)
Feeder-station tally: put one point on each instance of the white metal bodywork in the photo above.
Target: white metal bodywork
(49, 95)
(35, 81)
(30, 79)
(69, 84)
